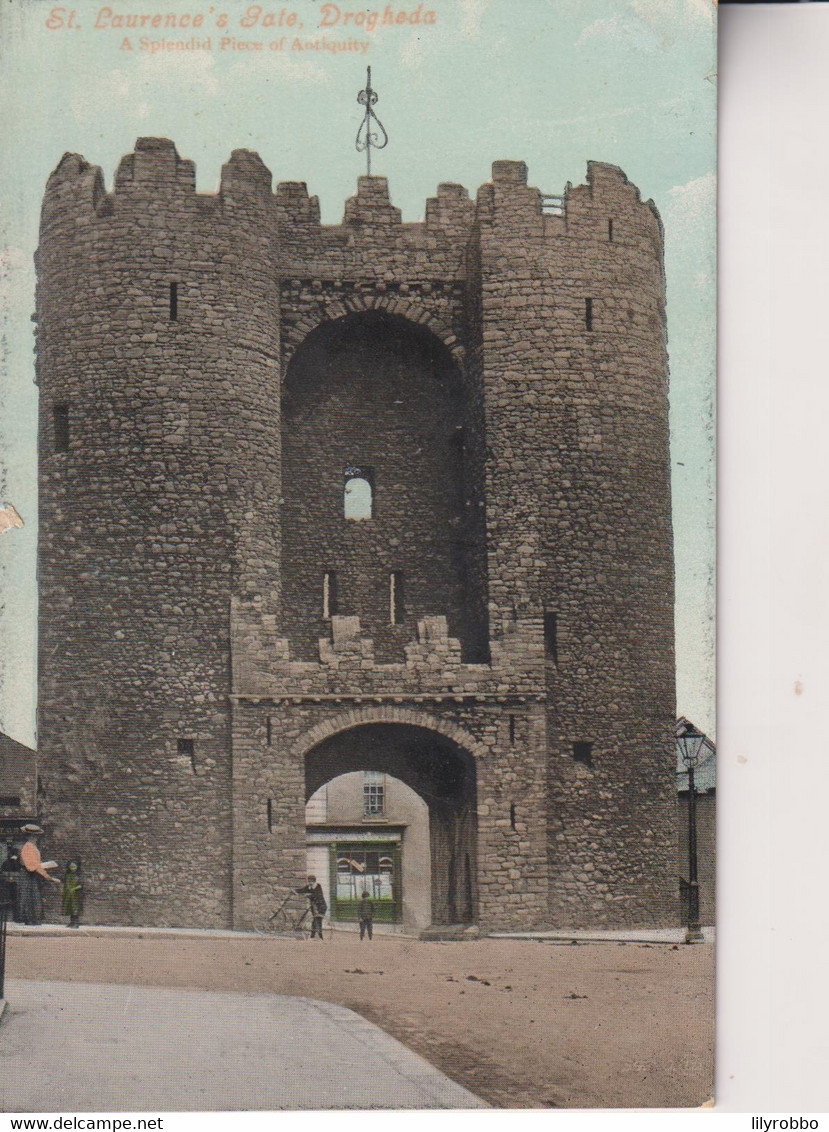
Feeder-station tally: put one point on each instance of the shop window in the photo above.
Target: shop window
(372, 867)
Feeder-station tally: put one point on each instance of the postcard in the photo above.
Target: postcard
(358, 553)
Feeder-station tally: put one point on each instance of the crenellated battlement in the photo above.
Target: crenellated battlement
(347, 665)
(154, 174)
(314, 490)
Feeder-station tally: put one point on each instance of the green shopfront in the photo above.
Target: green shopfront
(351, 861)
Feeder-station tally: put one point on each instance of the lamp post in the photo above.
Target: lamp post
(690, 742)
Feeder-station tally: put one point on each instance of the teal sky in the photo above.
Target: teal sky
(552, 82)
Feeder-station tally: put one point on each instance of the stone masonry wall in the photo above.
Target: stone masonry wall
(578, 511)
(372, 395)
(178, 698)
(510, 769)
(151, 517)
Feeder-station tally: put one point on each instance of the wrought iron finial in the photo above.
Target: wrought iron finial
(367, 137)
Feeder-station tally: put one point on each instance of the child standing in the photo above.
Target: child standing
(72, 893)
(365, 914)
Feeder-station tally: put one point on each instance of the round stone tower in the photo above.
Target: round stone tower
(488, 617)
(158, 366)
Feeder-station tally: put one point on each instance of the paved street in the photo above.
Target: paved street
(518, 1022)
(153, 1049)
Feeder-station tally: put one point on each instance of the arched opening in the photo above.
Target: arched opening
(367, 831)
(440, 824)
(376, 481)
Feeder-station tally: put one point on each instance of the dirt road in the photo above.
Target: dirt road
(521, 1023)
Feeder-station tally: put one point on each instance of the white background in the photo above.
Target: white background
(773, 654)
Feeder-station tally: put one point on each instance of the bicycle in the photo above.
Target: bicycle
(293, 919)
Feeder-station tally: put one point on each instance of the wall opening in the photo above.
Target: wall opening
(583, 753)
(439, 772)
(373, 415)
(173, 302)
(187, 749)
(610, 231)
(358, 493)
(60, 421)
(397, 598)
(588, 314)
(329, 595)
(551, 635)
(351, 848)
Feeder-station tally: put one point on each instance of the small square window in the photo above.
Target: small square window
(187, 749)
(583, 753)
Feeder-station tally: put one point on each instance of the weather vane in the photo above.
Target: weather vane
(367, 138)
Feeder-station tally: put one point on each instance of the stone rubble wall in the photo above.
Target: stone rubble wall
(161, 547)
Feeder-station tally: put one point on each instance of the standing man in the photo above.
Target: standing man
(317, 904)
(365, 914)
(31, 911)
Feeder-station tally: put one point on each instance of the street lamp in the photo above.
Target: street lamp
(690, 742)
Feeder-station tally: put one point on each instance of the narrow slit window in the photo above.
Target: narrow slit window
(358, 493)
(457, 451)
(60, 419)
(329, 595)
(583, 753)
(268, 731)
(187, 749)
(270, 815)
(512, 730)
(397, 598)
(173, 302)
(512, 815)
(551, 635)
(610, 231)
(588, 314)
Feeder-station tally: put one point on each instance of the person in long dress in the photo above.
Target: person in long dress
(31, 907)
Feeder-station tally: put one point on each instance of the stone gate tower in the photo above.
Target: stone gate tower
(373, 496)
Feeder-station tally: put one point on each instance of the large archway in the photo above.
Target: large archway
(382, 488)
(442, 773)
